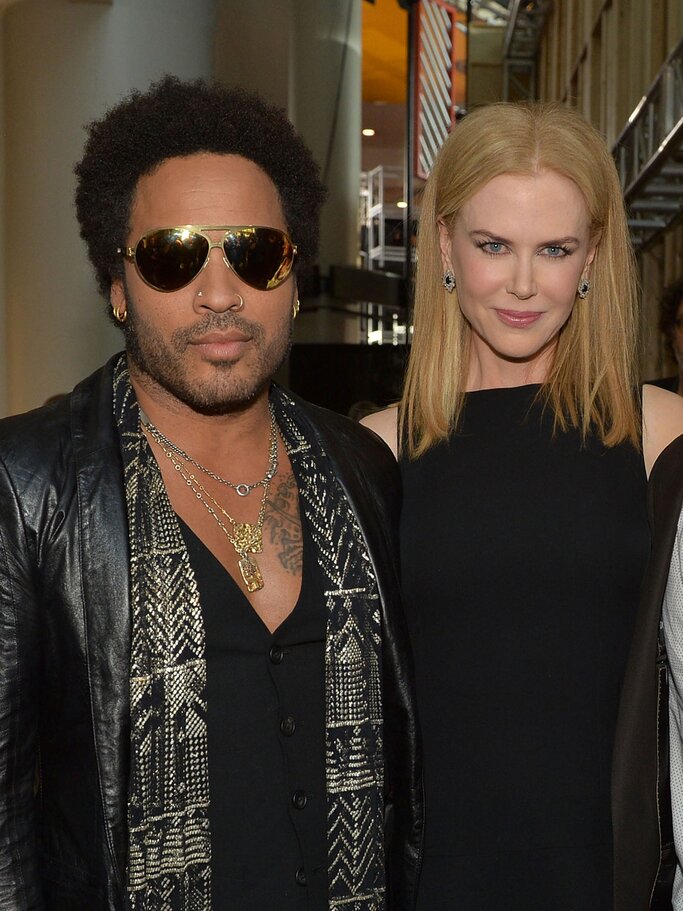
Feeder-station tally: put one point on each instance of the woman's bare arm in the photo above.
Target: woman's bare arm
(662, 422)
(384, 423)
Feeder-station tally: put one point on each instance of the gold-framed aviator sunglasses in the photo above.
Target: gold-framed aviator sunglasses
(168, 259)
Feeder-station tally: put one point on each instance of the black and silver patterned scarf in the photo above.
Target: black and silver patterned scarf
(169, 867)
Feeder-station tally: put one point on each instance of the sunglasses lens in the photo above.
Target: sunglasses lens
(262, 257)
(169, 259)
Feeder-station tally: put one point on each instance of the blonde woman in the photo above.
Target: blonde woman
(524, 452)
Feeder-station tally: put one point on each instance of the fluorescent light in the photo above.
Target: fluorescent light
(402, 204)
(368, 131)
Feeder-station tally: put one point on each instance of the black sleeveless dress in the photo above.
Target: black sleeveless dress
(522, 558)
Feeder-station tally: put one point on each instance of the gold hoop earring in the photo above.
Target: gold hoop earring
(296, 306)
(120, 314)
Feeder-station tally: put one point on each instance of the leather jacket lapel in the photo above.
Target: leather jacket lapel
(105, 581)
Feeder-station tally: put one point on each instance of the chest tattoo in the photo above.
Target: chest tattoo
(282, 524)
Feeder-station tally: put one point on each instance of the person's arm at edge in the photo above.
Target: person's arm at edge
(662, 422)
(674, 653)
(384, 423)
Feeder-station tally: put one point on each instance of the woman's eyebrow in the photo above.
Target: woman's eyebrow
(551, 242)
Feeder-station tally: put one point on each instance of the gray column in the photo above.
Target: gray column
(325, 105)
(64, 63)
(305, 55)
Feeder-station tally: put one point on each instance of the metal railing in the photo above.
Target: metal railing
(649, 155)
(383, 225)
(522, 37)
(525, 27)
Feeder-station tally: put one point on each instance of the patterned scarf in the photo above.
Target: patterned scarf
(169, 865)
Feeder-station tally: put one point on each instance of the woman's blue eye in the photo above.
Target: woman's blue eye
(492, 246)
(556, 251)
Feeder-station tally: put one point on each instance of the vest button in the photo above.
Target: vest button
(276, 654)
(300, 877)
(299, 799)
(288, 726)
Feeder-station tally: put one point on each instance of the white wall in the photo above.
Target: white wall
(84, 57)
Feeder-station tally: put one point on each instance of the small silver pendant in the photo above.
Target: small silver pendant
(242, 489)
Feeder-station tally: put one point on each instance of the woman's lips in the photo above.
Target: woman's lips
(519, 319)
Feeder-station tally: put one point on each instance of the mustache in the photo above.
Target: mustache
(216, 322)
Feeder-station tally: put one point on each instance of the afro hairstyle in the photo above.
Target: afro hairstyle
(176, 118)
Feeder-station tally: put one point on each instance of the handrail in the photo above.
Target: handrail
(649, 154)
(525, 16)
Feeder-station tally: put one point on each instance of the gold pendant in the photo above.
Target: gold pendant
(251, 573)
(248, 537)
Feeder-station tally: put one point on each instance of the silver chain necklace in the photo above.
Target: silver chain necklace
(241, 489)
(246, 537)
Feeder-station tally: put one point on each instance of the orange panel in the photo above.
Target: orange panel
(385, 52)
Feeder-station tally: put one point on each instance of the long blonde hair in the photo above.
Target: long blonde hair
(593, 377)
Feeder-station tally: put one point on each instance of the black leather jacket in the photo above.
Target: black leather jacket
(64, 651)
(644, 852)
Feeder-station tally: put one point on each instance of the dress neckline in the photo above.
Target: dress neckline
(502, 390)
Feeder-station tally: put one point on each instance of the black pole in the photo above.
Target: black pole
(467, 56)
(413, 10)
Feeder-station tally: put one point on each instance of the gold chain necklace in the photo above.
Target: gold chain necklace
(246, 537)
(242, 489)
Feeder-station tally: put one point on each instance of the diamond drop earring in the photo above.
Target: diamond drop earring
(584, 288)
(448, 281)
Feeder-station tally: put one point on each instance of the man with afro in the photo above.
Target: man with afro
(205, 687)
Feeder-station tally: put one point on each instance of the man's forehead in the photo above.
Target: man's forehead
(206, 188)
(202, 166)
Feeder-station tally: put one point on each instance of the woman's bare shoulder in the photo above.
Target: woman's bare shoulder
(385, 424)
(662, 422)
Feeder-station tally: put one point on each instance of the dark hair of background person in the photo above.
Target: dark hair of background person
(362, 409)
(669, 303)
(175, 118)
